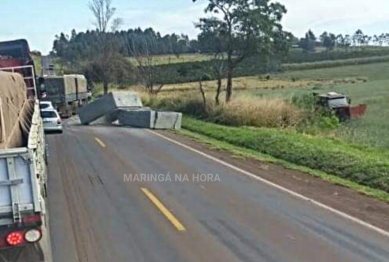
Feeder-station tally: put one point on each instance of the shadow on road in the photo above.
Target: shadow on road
(32, 253)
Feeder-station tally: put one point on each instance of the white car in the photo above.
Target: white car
(52, 122)
(46, 105)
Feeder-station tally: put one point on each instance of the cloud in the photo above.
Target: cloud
(166, 21)
(340, 16)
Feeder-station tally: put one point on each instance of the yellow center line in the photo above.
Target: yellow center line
(176, 223)
(101, 143)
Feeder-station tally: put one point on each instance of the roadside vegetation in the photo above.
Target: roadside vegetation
(364, 166)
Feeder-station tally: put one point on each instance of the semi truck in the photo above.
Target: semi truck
(67, 93)
(23, 159)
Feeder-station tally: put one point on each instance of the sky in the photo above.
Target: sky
(39, 21)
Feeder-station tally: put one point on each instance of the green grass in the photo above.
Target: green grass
(376, 71)
(336, 63)
(361, 165)
(248, 153)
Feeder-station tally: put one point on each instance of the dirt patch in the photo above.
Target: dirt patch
(370, 210)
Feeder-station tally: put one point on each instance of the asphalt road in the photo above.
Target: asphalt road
(102, 211)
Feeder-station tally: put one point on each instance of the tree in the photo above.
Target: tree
(358, 38)
(328, 40)
(106, 49)
(381, 39)
(308, 44)
(142, 51)
(242, 28)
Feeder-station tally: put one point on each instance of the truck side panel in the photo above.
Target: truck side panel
(15, 181)
(23, 173)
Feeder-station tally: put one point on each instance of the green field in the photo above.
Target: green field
(368, 84)
(173, 59)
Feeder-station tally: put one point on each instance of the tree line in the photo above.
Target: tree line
(78, 45)
(331, 41)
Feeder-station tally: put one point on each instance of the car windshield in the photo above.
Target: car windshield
(48, 114)
(44, 106)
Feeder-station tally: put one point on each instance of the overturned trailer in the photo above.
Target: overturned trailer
(127, 109)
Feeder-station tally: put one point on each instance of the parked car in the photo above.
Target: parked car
(46, 105)
(52, 122)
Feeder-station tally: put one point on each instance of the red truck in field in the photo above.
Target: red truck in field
(341, 105)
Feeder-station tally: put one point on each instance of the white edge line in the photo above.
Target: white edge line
(297, 195)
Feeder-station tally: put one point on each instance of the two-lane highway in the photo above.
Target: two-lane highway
(119, 194)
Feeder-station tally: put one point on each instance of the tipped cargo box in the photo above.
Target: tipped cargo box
(150, 119)
(108, 104)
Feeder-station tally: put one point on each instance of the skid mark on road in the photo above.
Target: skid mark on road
(162, 208)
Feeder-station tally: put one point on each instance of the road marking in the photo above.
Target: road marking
(297, 195)
(101, 143)
(161, 207)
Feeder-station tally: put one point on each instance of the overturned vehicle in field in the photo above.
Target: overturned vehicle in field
(340, 104)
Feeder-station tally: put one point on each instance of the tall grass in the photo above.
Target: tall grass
(242, 111)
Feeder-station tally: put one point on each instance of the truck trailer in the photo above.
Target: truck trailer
(67, 93)
(23, 170)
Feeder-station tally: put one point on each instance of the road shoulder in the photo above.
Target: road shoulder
(346, 200)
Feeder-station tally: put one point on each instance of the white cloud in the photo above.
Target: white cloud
(166, 21)
(339, 16)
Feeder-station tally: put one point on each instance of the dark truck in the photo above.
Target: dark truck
(67, 93)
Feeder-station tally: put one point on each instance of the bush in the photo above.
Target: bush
(317, 119)
(366, 167)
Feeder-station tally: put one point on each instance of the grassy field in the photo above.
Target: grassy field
(368, 84)
(365, 84)
(248, 83)
(172, 59)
